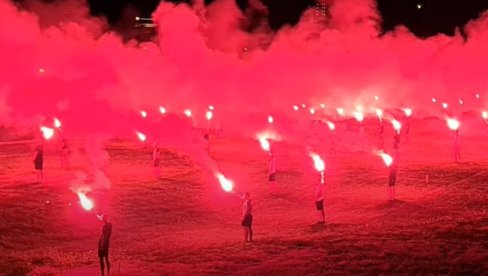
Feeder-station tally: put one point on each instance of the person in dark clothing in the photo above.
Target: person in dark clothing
(64, 152)
(396, 145)
(392, 181)
(247, 217)
(103, 245)
(39, 161)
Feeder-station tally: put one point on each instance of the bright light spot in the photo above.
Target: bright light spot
(57, 123)
(359, 108)
(379, 113)
(340, 111)
(358, 115)
(461, 101)
(270, 119)
(211, 107)
(225, 183)
(322, 105)
(453, 123)
(264, 143)
(137, 18)
(396, 125)
(386, 158)
(42, 71)
(141, 136)
(419, 6)
(312, 111)
(162, 110)
(47, 132)
(434, 100)
(317, 162)
(376, 98)
(484, 114)
(209, 115)
(303, 105)
(295, 107)
(187, 112)
(85, 202)
(331, 125)
(477, 96)
(143, 114)
(408, 112)
(444, 105)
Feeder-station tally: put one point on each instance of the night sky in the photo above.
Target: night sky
(435, 16)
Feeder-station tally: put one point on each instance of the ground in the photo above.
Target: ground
(183, 223)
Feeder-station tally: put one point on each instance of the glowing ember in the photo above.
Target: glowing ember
(270, 119)
(340, 111)
(295, 107)
(379, 113)
(396, 125)
(209, 115)
(453, 123)
(408, 112)
(386, 158)
(444, 105)
(162, 110)
(318, 162)
(57, 123)
(264, 143)
(225, 183)
(358, 115)
(484, 114)
(312, 111)
(187, 112)
(331, 125)
(85, 202)
(47, 132)
(211, 107)
(141, 136)
(143, 114)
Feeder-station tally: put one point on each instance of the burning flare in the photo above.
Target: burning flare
(340, 111)
(379, 113)
(358, 115)
(162, 110)
(141, 136)
(408, 112)
(386, 158)
(396, 125)
(188, 112)
(484, 114)
(453, 123)
(444, 105)
(331, 125)
(225, 183)
(85, 202)
(295, 107)
(57, 123)
(318, 162)
(312, 110)
(270, 119)
(209, 115)
(143, 114)
(264, 143)
(47, 132)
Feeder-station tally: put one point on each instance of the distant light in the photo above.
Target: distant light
(270, 119)
(42, 71)
(322, 105)
(211, 107)
(453, 123)
(57, 123)
(419, 6)
(484, 114)
(162, 110)
(460, 101)
(295, 107)
(408, 112)
(143, 114)
(340, 111)
(359, 108)
(188, 113)
(358, 115)
(444, 105)
(209, 115)
(376, 98)
(138, 18)
(303, 105)
(477, 96)
(312, 111)
(434, 100)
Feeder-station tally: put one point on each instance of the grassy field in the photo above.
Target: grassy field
(183, 223)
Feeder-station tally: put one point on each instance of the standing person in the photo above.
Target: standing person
(103, 245)
(457, 151)
(392, 181)
(156, 160)
(396, 145)
(247, 217)
(272, 172)
(319, 199)
(39, 162)
(64, 152)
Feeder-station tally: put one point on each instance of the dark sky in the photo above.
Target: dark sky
(435, 16)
